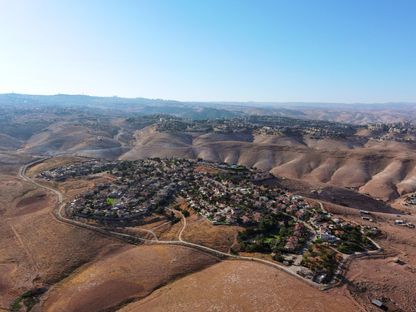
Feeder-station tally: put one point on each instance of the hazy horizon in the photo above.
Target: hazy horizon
(216, 51)
(259, 103)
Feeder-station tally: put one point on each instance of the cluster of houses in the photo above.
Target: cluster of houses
(141, 188)
(229, 196)
(297, 238)
(222, 193)
(77, 170)
(400, 131)
(237, 199)
(277, 125)
(229, 125)
(311, 131)
(269, 125)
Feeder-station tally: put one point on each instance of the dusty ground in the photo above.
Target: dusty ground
(16, 266)
(10, 162)
(169, 231)
(200, 231)
(380, 277)
(86, 271)
(36, 249)
(129, 273)
(377, 278)
(241, 286)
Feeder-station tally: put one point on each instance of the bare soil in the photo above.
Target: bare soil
(201, 231)
(36, 249)
(241, 286)
(127, 274)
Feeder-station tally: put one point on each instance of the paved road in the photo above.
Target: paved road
(134, 239)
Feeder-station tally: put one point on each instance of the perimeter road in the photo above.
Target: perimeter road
(134, 239)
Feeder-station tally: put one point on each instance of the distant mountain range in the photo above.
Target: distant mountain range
(357, 113)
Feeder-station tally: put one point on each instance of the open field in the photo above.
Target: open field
(125, 275)
(392, 276)
(241, 286)
(10, 162)
(37, 250)
(200, 231)
(17, 269)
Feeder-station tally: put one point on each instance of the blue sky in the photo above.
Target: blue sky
(287, 50)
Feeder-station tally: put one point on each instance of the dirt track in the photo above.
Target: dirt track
(179, 243)
(135, 239)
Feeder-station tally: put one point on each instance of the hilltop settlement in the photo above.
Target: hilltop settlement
(283, 226)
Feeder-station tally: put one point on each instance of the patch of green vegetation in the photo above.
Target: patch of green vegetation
(110, 201)
(29, 299)
(268, 235)
(16, 305)
(353, 240)
(172, 218)
(349, 248)
(321, 259)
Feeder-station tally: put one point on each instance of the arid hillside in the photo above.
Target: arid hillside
(236, 286)
(374, 159)
(78, 269)
(62, 261)
(71, 138)
(351, 146)
(129, 274)
(36, 249)
(382, 169)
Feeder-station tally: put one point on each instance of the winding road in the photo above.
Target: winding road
(60, 216)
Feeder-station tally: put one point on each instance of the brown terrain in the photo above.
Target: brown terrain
(36, 249)
(391, 274)
(83, 270)
(241, 286)
(383, 170)
(129, 274)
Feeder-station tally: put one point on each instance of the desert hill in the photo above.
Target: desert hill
(375, 159)
(41, 252)
(234, 286)
(128, 274)
(383, 169)
(36, 248)
(9, 143)
(379, 169)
